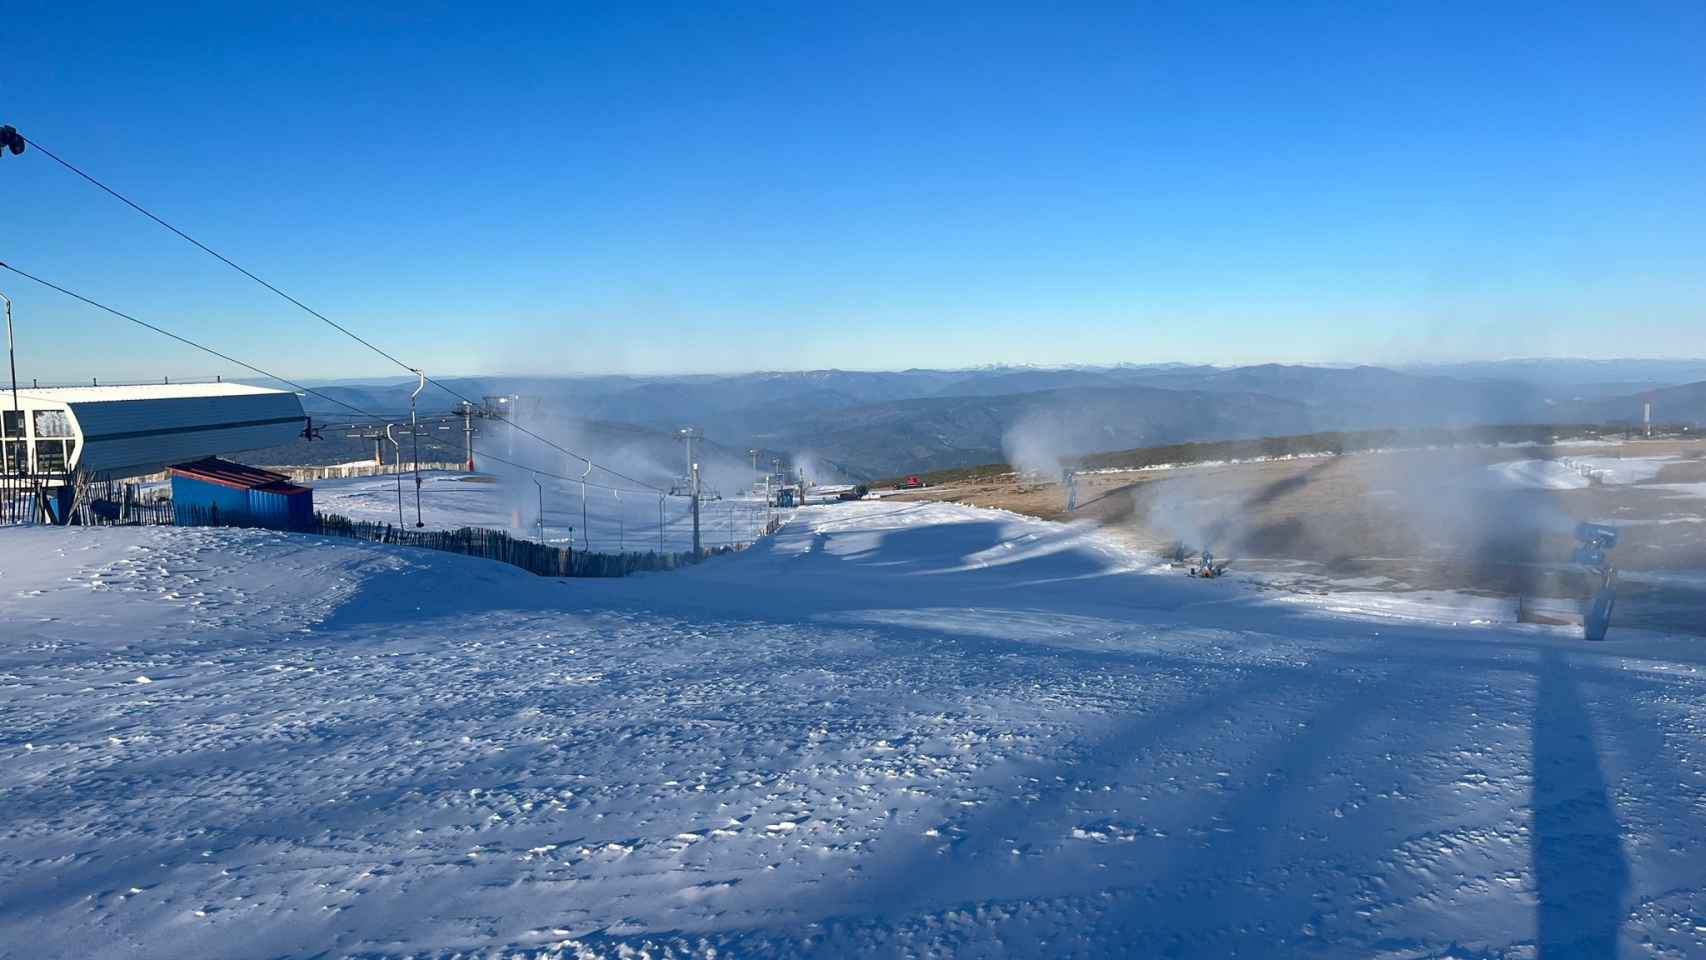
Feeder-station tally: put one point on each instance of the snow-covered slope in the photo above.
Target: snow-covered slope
(894, 729)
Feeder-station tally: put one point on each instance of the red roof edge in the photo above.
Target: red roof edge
(228, 474)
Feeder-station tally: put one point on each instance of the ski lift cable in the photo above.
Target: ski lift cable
(187, 341)
(483, 455)
(300, 305)
(56, 158)
(430, 441)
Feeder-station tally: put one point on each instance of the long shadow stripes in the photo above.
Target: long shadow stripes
(1580, 869)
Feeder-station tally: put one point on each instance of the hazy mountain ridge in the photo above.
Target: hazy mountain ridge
(1568, 370)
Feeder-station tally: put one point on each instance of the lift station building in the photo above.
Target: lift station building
(108, 433)
(60, 437)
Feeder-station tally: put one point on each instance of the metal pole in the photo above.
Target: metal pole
(689, 434)
(693, 486)
(12, 356)
(621, 523)
(585, 528)
(18, 443)
(397, 465)
(695, 482)
(415, 429)
(541, 509)
(660, 524)
(468, 431)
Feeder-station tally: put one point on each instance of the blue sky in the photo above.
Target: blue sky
(641, 188)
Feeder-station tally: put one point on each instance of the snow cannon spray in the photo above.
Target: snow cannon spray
(1596, 539)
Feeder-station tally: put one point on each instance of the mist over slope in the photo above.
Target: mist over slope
(869, 424)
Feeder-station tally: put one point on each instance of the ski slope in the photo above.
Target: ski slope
(893, 729)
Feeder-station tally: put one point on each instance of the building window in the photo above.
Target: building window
(53, 423)
(50, 456)
(12, 424)
(13, 454)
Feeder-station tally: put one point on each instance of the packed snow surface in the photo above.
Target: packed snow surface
(892, 730)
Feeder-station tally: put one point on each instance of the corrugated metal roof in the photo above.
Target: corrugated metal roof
(228, 474)
(143, 391)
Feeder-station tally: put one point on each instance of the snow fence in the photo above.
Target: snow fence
(536, 558)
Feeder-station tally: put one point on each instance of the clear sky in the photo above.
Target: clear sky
(629, 187)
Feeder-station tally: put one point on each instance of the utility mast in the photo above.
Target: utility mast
(18, 449)
(541, 487)
(397, 458)
(688, 435)
(697, 550)
(415, 431)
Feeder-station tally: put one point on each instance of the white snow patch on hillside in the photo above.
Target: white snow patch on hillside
(1573, 473)
(1533, 474)
(918, 729)
(1617, 471)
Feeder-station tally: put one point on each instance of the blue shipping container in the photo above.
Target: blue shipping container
(214, 490)
(287, 508)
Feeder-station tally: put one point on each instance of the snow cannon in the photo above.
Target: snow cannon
(1595, 540)
(1208, 568)
(1603, 534)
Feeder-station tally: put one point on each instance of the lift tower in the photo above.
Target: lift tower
(688, 435)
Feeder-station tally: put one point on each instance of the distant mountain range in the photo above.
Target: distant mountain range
(865, 424)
